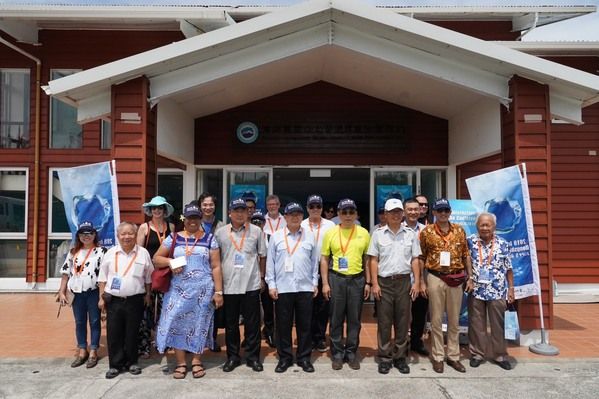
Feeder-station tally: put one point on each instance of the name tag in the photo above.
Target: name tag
(238, 260)
(484, 275)
(116, 284)
(343, 264)
(77, 284)
(445, 259)
(289, 265)
(178, 262)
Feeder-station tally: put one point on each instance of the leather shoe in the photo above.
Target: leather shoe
(231, 365)
(504, 364)
(475, 362)
(354, 363)
(421, 350)
(282, 366)
(437, 367)
(135, 369)
(254, 365)
(111, 373)
(306, 366)
(270, 341)
(79, 360)
(401, 365)
(384, 367)
(456, 365)
(337, 364)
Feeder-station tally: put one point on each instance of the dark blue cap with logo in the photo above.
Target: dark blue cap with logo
(346, 204)
(249, 196)
(293, 207)
(258, 215)
(441, 203)
(314, 199)
(85, 227)
(192, 210)
(237, 203)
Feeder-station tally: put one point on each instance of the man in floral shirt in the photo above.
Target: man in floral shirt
(493, 281)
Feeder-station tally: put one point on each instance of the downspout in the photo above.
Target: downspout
(36, 165)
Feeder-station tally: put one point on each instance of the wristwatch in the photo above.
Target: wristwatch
(218, 293)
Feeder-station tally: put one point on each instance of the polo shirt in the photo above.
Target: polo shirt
(394, 251)
(355, 249)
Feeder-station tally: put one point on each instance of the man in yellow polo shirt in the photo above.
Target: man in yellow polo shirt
(347, 283)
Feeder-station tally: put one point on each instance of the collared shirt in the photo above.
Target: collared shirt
(318, 230)
(272, 225)
(494, 265)
(88, 275)
(303, 275)
(454, 242)
(355, 249)
(242, 277)
(417, 229)
(394, 251)
(133, 281)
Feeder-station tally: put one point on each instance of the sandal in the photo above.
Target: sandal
(178, 374)
(197, 370)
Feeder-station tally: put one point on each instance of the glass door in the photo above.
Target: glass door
(242, 180)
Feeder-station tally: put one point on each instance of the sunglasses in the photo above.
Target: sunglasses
(348, 211)
(86, 234)
(315, 207)
(443, 210)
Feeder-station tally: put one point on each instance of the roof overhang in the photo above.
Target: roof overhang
(374, 51)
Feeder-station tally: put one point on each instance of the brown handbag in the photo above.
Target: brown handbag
(161, 278)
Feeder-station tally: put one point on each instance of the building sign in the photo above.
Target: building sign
(247, 132)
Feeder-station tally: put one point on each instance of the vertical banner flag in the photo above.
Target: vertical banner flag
(90, 193)
(504, 192)
(386, 191)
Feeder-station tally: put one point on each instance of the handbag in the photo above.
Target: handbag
(161, 278)
(511, 326)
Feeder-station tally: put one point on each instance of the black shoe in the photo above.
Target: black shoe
(321, 346)
(231, 365)
(306, 366)
(135, 369)
(255, 365)
(111, 373)
(475, 362)
(504, 364)
(282, 366)
(270, 340)
(421, 350)
(354, 363)
(384, 367)
(215, 348)
(337, 364)
(401, 365)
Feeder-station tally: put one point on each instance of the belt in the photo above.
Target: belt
(397, 276)
(439, 274)
(124, 298)
(347, 276)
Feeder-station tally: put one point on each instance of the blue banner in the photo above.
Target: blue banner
(386, 191)
(90, 194)
(504, 193)
(464, 213)
(259, 191)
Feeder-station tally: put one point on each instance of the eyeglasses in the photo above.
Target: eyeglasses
(330, 211)
(258, 222)
(315, 207)
(348, 212)
(444, 210)
(87, 234)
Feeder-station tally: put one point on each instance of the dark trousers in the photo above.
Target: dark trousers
(419, 309)
(85, 306)
(248, 305)
(393, 312)
(268, 309)
(347, 297)
(122, 326)
(288, 305)
(320, 316)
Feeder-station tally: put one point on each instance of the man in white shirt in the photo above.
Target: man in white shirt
(274, 220)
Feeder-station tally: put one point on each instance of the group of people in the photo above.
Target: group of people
(304, 272)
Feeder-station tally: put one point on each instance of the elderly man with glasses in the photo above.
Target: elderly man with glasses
(446, 257)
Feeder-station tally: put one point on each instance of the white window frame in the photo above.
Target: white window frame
(52, 235)
(19, 235)
(64, 70)
(102, 122)
(28, 110)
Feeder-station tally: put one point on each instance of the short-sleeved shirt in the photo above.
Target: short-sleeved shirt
(433, 242)
(133, 281)
(394, 251)
(303, 275)
(273, 225)
(494, 285)
(319, 230)
(87, 272)
(355, 249)
(241, 269)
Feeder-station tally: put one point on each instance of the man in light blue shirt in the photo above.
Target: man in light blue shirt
(292, 278)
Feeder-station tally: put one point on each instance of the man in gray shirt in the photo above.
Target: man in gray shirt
(243, 262)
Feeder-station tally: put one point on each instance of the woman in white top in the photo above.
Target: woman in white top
(79, 276)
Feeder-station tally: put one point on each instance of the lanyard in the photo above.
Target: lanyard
(79, 269)
(296, 244)
(276, 228)
(317, 231)
(480, 253)
(240, 246)
(116, 264)
(161, 234)
(188, 251)
(344, 249)
(447, 238)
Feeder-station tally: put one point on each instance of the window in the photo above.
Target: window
(65, 131)
(59, 234)
(106, 135)
(13, 226)
(170, 186)
(211, 181)
(14, 108)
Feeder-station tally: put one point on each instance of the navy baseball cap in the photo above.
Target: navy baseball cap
(293, 207)
(192, 210)
(85, 227)
(258, 215)
(238, 203)
(441, 203)
(249, 196)
(314, 199)
(346, 204)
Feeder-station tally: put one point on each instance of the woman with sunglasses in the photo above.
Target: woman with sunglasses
(79, 275)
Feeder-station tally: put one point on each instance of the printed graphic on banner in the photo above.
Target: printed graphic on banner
(90, 193)
(386, 191)
(504, 193)
(464, 213)
(259, 191)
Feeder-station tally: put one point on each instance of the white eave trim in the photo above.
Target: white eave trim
(538, 48)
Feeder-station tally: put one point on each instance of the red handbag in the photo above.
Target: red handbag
(161, 278)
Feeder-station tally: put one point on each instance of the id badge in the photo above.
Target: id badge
(484, 275)
(289, 265)
(239, 260)
(343, 264)
(445, 259)
(77, 285)
(116, 284)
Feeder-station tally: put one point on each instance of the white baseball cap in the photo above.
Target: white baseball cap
(393, 203)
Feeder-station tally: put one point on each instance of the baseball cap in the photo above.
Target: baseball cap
(314, 199)
(346, 204)
(191, 210)
(257, 215)
(293, 207)
(85, 227)
(237, 203)
(393, 203)
(249, 196)
(441, 203)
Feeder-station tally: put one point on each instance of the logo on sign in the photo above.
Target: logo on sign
(247, 132)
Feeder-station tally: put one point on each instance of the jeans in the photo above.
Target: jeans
(85, 306)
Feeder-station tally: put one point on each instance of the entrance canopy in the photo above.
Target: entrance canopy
(345, 42)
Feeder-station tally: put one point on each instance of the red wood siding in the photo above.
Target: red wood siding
(323, 124)
(485, 30)
(475, 168)
(530, 143)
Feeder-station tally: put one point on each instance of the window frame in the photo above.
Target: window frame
(27, 114)
(51, 111)
(18, 235)
(103, 122)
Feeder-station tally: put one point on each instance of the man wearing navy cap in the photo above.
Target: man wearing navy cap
(243, 262)
(251, 200)
(346, 284)
(446, 257)
(292, 278)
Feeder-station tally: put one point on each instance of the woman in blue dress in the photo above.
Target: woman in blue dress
(186, 320)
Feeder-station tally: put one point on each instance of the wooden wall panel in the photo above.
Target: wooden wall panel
(475, 168)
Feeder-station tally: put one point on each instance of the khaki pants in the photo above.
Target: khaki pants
(443, 298)
(477, 328)
(393, 313)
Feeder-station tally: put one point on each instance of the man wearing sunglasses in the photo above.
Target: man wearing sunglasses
(446, 257)
(347, 283)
